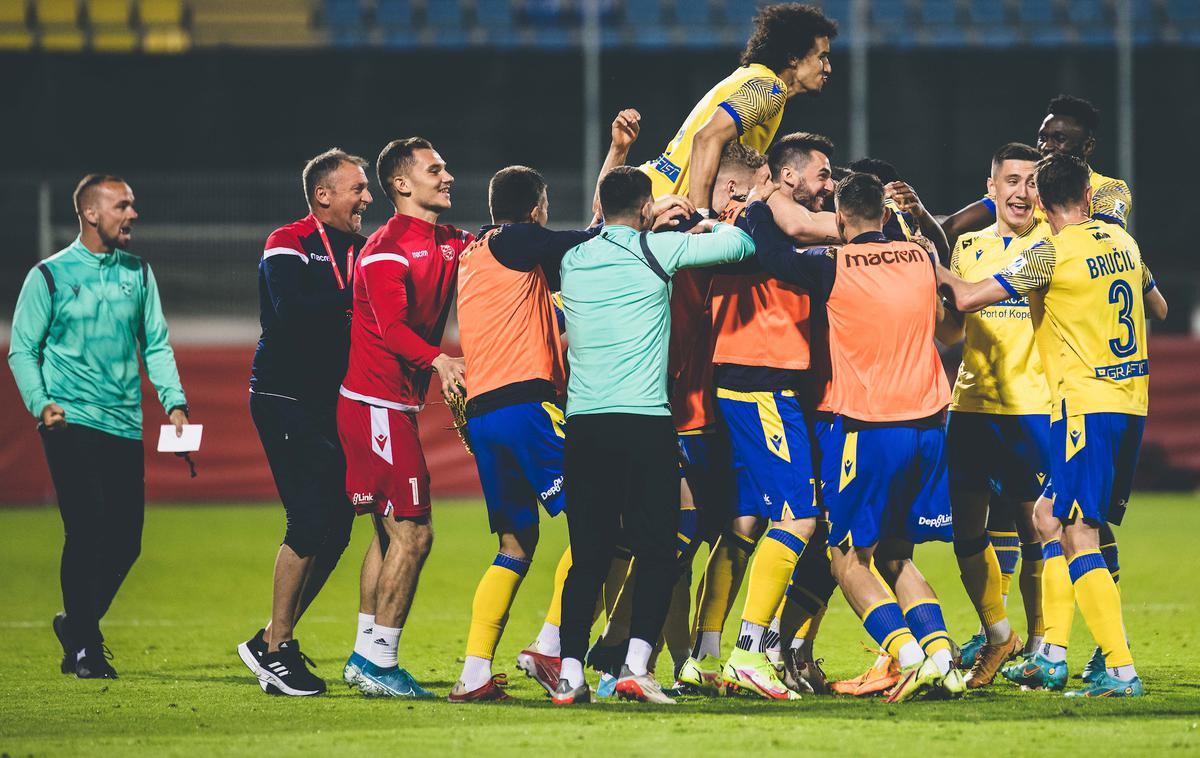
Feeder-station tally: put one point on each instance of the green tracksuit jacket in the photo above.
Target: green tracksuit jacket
(80, 324)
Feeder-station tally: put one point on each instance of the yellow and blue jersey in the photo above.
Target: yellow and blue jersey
(1088, 316)
(752, 95)
(1001, 371)
(1111, 201)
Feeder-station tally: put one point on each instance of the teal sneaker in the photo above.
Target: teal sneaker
(1095, 665)
(1037, 673)
(969, 651)
(607, 685)
(352, 669)
(375, 681)
(1104, 684)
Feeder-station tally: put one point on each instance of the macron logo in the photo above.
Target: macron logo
(420, 254)
(381, 440)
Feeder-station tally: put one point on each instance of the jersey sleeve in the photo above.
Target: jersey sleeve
(726, 244)
(1148, 282)
(956, 256)
(754, 103)
(1031, 270)
(30, 325)
(385, 276)
(157, 354)
(1112, 202)
(524, 247)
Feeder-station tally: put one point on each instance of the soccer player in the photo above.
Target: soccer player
(404, 284)
(621, 455)
(1091, 333)
(787, 55)
(998, 435)
(1069, 127)
(304, 284)
(83, 319)
(761, 352)
(890, 393)
(510, 339)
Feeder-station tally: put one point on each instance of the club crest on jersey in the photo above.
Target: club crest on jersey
(447, 252)
(126, 288)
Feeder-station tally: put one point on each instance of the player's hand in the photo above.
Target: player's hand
(905, 198)
(704, 226)
(452, 372)
(762, 191)
(53, 416)
(179, 419)
(671, 206)
(625, 128)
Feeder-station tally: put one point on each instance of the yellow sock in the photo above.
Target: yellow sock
(769, 576)
(676, 631)
(554, 612)
(723, 576)
(981, 577)
(1031, 587)
(1100, 604)
(493, 598)
(1058, 599)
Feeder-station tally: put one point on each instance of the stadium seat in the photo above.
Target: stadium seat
(343, 14)
(551, 37)
(403, 37)
(944, 36)
(14, 37)
(1183, 11)
(114, 40)
(838, 10)
(56, 13)
(889, 15)
(443, 14)
(14, 13)
(1046, 35)
(1035, 13)
(168, 13)
(938, 12)
(651, 36)
(451, 37)
(394, 13)
(998, 36)
(165, 39)
(107, 13)
(1087, 12)
(262, 23)
(986, 13)
(691, 13)
(644, 13)
(494, 14)
(62, 39)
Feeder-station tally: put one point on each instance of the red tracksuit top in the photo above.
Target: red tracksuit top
(404, 283)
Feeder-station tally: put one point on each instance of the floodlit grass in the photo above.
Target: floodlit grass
(202, 585)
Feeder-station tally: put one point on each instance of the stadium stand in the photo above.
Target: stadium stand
(166, 26)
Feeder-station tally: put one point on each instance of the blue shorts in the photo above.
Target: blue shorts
(772, 459)
(1010, 455)
(891, 483)
(519, 454)
(1092, 466)
(708, 467)
(826, 440)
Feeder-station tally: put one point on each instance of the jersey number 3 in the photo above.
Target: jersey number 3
(1121, 294)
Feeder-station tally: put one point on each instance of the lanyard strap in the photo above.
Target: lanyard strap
(332, 261)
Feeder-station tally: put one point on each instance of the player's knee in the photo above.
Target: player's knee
(890, 568)
(801, 527)
(965, 547)
(519, 545)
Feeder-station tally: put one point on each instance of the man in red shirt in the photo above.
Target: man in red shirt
(403, 286)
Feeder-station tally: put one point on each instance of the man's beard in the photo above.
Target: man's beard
(803, 198)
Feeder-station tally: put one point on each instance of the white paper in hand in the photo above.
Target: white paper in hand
(188, 443)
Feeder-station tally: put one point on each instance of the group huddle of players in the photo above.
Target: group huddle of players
(819, 438)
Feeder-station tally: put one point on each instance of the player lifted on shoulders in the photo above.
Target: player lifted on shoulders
(787, 55)
(890, 394)
(1090, 329)
(999, 430)
(403, 287)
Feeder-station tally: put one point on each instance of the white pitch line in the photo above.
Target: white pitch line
(149, 622)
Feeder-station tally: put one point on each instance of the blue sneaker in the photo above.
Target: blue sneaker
(969, 651)
(1037, 672)
(1095, 665)
(1104, 684)
(353, 668)
(607, 686)
(375, 681)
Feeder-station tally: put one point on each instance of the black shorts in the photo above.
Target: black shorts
(305, 455)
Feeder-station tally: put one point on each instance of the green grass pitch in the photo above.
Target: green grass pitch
(202, 586)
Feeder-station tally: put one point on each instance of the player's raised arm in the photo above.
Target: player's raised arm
(624, 130)
(706, 155)
(972, 218)
(907, 200)
(799, 165)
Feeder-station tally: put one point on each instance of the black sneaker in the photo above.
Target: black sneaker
(60, 630)
(251, 652)
(93, 663)
(287, 671)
